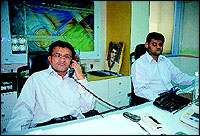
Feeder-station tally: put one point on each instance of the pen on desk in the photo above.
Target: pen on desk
(178, 109)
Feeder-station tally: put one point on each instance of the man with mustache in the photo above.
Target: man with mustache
(50, 95)
(152, 73)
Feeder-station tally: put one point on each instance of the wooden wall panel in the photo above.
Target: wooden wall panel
(119, 28)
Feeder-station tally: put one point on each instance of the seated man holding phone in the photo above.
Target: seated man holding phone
(52, 95)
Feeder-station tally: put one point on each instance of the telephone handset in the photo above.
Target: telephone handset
(71, 71)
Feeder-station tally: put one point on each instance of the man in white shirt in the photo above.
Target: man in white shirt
(152, 73)
(51, 93)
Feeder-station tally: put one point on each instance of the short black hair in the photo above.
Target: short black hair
(63, 45)
(156, 36)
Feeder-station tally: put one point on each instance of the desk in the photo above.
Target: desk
(112, 89)
(113, 123)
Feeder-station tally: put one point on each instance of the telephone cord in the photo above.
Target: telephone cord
(95, 95)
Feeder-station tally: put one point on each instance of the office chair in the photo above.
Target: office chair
(139, 51)
(37, 61)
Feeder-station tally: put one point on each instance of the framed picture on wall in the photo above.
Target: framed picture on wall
(114, 57)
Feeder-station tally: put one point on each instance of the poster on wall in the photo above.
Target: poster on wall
(43, 23)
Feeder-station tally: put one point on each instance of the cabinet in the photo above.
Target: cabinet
(8, 101)
(114, 91)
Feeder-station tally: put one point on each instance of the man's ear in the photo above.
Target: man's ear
(146, 44)
(49, 59)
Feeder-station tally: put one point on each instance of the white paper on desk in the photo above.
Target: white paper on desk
(113, 124)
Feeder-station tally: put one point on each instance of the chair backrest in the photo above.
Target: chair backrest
(37, 61)
(139, 51)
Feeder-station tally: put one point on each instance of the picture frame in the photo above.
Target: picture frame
(114, 57)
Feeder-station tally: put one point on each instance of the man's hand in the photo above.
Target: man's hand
(78, 70)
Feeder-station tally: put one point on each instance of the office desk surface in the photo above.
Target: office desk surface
(113, 123)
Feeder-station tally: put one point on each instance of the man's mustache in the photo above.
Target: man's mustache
(61, 63)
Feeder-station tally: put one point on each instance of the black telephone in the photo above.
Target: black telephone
(170, 101)
(71, 71)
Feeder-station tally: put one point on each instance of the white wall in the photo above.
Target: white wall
(190, 29)
(186, 64)
(139, 23)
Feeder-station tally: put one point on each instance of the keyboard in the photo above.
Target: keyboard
(99, 73)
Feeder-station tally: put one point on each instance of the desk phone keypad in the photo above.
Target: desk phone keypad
(191, 117)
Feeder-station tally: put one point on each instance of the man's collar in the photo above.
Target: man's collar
(51, 71)
(149, 57)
